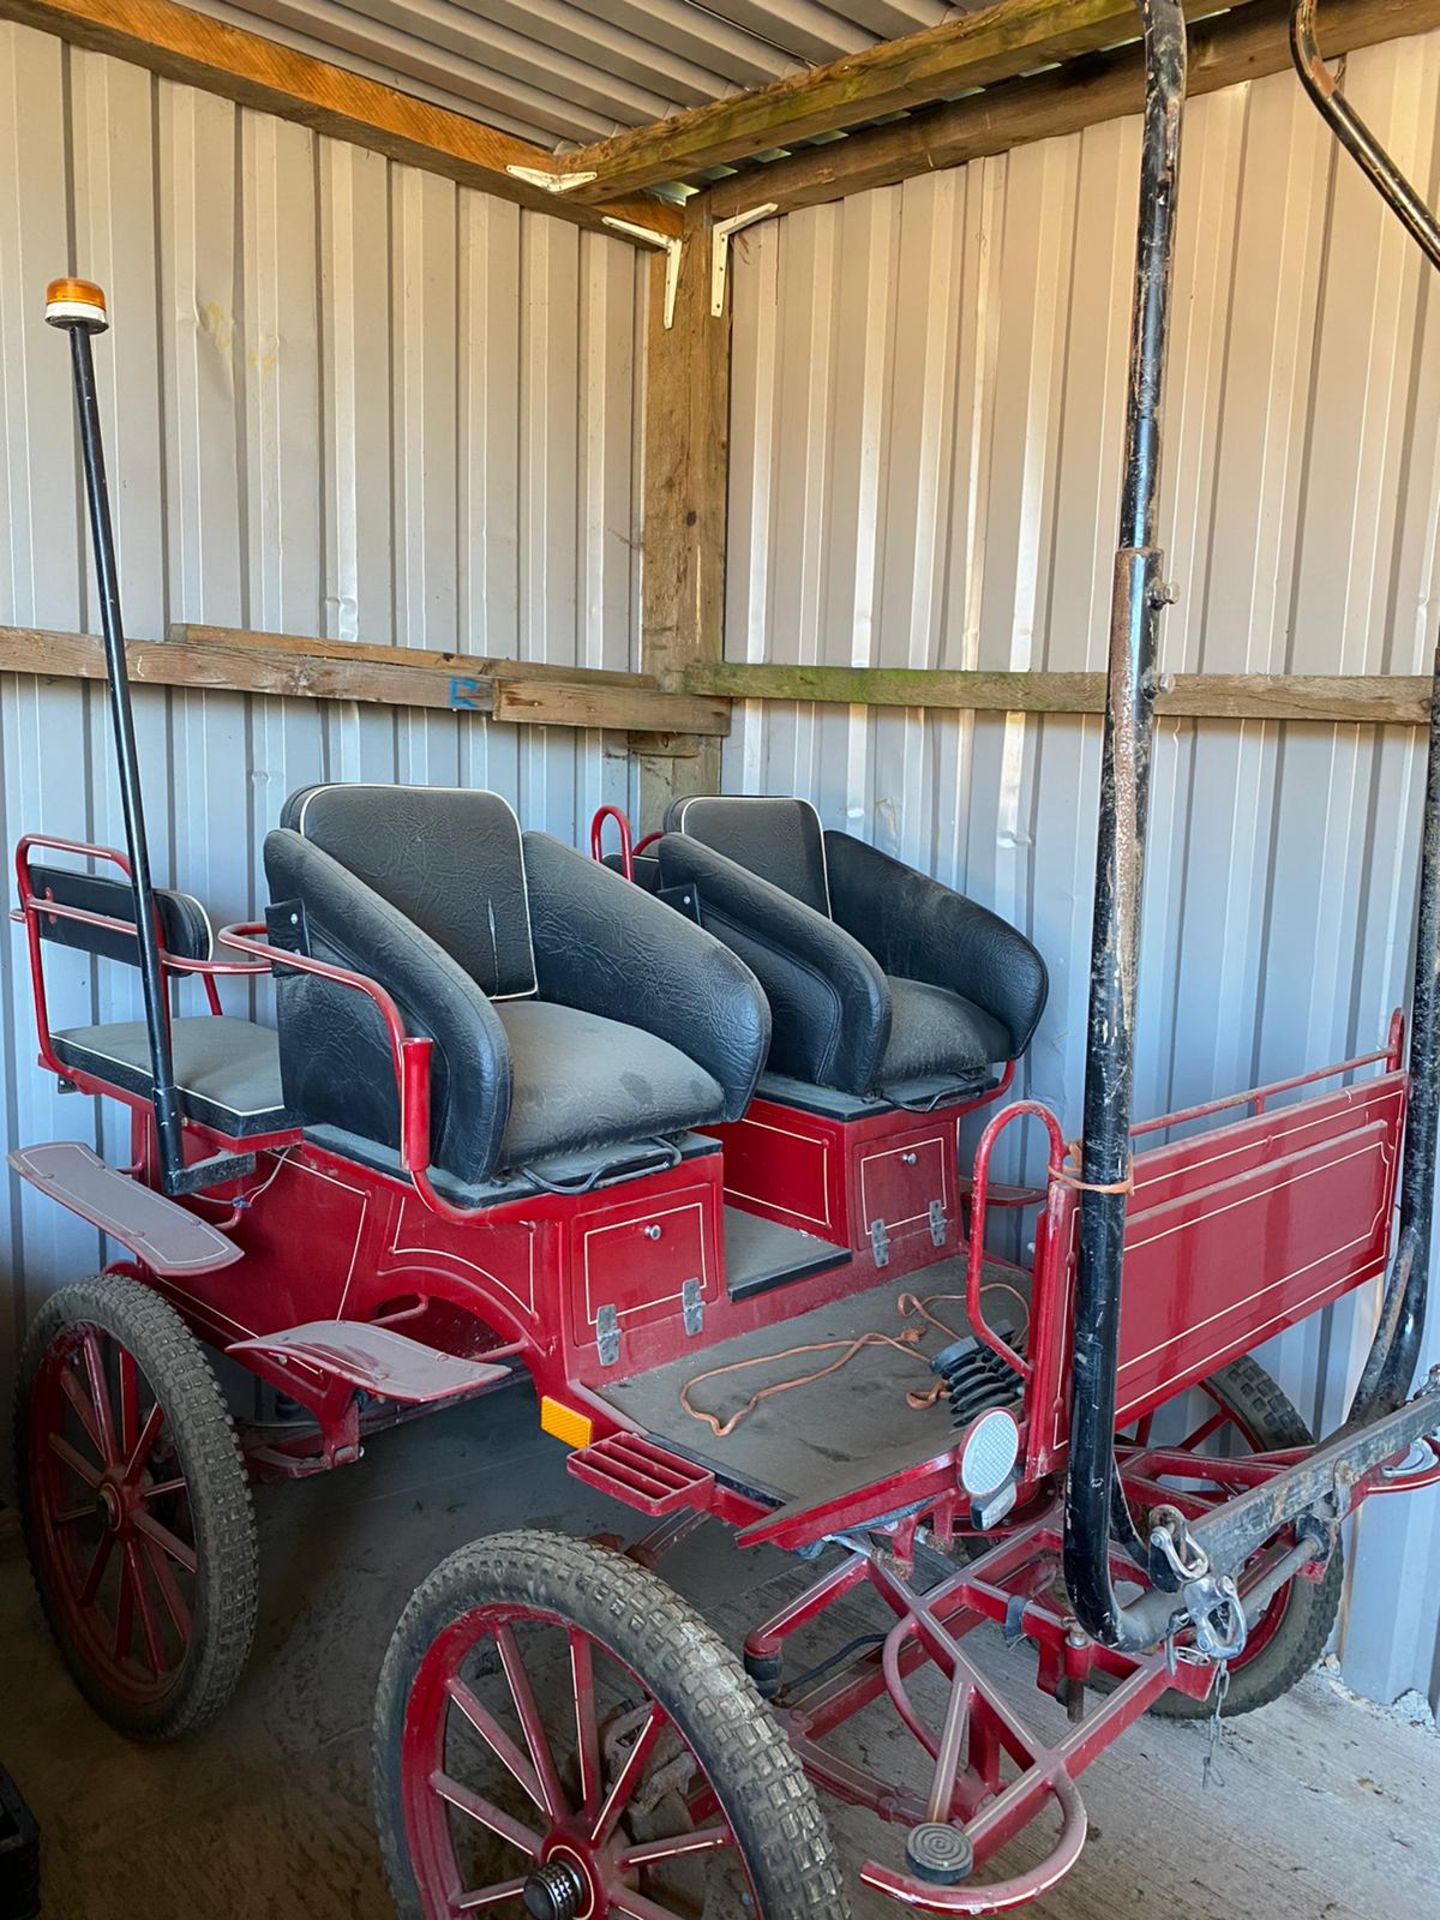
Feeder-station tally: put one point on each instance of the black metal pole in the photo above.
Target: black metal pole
(79, 309)
(1139, 596)
(1389, 1369)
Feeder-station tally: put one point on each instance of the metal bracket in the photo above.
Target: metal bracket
(692, 1305)
(939, 1223)
(607, 1336)
(551, 182)
(673, 246)
(880, 1243)
(721, 235)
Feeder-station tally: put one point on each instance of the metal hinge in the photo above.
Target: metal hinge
(607, 1335)
(880, 1243)
(692, 1305)
(939, 1222)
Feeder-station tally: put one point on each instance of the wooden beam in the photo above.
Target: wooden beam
(977, 50)
(203, 52)
(1381, 700)
(281, 665)
(687, 431)
(1224, 51)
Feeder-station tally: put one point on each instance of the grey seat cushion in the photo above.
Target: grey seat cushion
(935, 1031)
(227, 1070)
(583, 1081)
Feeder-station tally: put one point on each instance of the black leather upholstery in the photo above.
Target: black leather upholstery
(449, 859)
(612, 949)
(634, 1023)
(876, 974)
(185, 927)
(335, 1056)
(829, 1005)
(777, 838)
(922, 930)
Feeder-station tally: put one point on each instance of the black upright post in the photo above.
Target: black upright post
(1139, 596)
(1390, 1365)
(79, 309)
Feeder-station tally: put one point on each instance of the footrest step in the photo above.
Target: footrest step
(165, 1236)
(375, 1359)
(633, 1469)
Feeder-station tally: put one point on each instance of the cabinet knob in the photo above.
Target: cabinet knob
(652, 1233)
(909, 1158)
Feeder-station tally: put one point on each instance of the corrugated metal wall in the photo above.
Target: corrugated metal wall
(928, 388)
(342, 398)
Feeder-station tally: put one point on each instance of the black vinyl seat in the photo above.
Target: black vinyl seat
(878, 977)
(568, 1010)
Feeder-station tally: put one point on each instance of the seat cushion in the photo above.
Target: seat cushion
(582, 1081)
(779, 838)
(448, 858)
(228, 1071)
(935, 1031)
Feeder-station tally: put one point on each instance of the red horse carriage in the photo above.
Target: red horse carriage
(680, 1143)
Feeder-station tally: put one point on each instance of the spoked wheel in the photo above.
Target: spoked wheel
(557, 1734)
(136, 1507)
(1248, 1413)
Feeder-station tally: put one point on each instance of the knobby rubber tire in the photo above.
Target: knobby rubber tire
(217, 1486)
(754, 1772)
(1272, 1420)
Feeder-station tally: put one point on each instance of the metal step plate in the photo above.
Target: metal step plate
(166, 1237)
(377, 1360)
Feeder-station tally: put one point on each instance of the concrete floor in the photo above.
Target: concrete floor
(1325, 1809)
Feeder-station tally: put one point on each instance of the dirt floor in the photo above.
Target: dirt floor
(1324, 1809)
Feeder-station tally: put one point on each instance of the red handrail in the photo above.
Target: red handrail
(979, 1184)
(597, 839)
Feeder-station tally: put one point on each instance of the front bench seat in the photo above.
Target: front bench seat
(570, 1011)
(877, 975)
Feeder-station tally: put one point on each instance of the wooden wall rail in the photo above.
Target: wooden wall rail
(1384, 700)
(516, 691)
(662, 720)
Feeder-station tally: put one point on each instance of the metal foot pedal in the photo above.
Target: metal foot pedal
(375, 1359)
(167, 1238)
(631, 1468)
(940, 1854)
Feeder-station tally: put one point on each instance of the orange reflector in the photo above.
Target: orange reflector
(564, 1424)
(68, 300)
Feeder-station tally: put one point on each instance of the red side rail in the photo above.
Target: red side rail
(33, 906)
(629, 846)
(410, 1058)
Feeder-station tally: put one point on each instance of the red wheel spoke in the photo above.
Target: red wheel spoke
(490, 1897)
(150, 1527)
(124, 1611)
(97, 1568)
(149, 1627)
(77, 1463)
(587, 1732)
(100, 1394)
(636, 1907)
(1202, 1433)
(129, 1401)
(708, 1840)
(535, 1740)
(177, 1485)
(140, 1451)
(85, 1412)
(628, 1778)
(169, 1592)
(487, 1815)
(69, 1516)
(496, 1738)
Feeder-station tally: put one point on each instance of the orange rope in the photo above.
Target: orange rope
(906, 1341)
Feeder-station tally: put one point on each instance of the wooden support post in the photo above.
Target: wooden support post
(687, 431)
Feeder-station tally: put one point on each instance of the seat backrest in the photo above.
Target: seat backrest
(778, 838)
(449, 859)
(184, 928)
